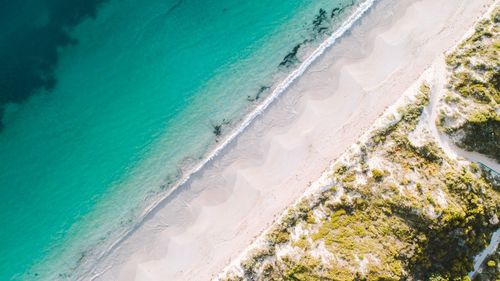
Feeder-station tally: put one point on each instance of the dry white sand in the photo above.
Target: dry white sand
(195, 233)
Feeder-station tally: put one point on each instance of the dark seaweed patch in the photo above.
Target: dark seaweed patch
(28, 50)
(319, 21)
(218, 128)
(261, 90)
(320, 26)
(339, 10)
(335, 12)
(259, 93)
(291, 57)
(322, 30)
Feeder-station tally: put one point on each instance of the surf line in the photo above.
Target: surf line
(282, 86)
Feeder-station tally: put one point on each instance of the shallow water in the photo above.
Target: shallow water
(134, 97)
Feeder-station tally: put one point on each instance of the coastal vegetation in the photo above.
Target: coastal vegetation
(470, 113)
(490, 268)
(396, 206)
(392, 210)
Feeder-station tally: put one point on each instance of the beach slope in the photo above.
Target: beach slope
(210, 220)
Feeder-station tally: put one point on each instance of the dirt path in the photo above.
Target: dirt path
(437, 93)
(431, 114)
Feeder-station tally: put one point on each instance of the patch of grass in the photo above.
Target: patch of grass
(481, 133)
(386, 223)
(378, 175)
(477, 85)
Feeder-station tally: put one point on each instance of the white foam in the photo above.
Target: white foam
(347, 24)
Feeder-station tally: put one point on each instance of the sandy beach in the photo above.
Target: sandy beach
(211, 219)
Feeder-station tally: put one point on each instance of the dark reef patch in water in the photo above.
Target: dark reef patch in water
(334, 12)
(218, 128)
(31, 32)
(321, 26)
(319, 22)
(291, 57)
(262, 89)
(339, 10)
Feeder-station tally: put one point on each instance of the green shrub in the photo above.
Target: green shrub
(480, 93)
(277, 236)
(474, 167)
(349, 178)
(481, 133)
(378, 175)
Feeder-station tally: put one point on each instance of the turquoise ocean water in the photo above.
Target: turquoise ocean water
(130, 95)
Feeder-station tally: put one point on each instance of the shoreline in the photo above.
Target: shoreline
(242, 124)
(433, 74)
(357, 80)
(90, 255)
(325, 180)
